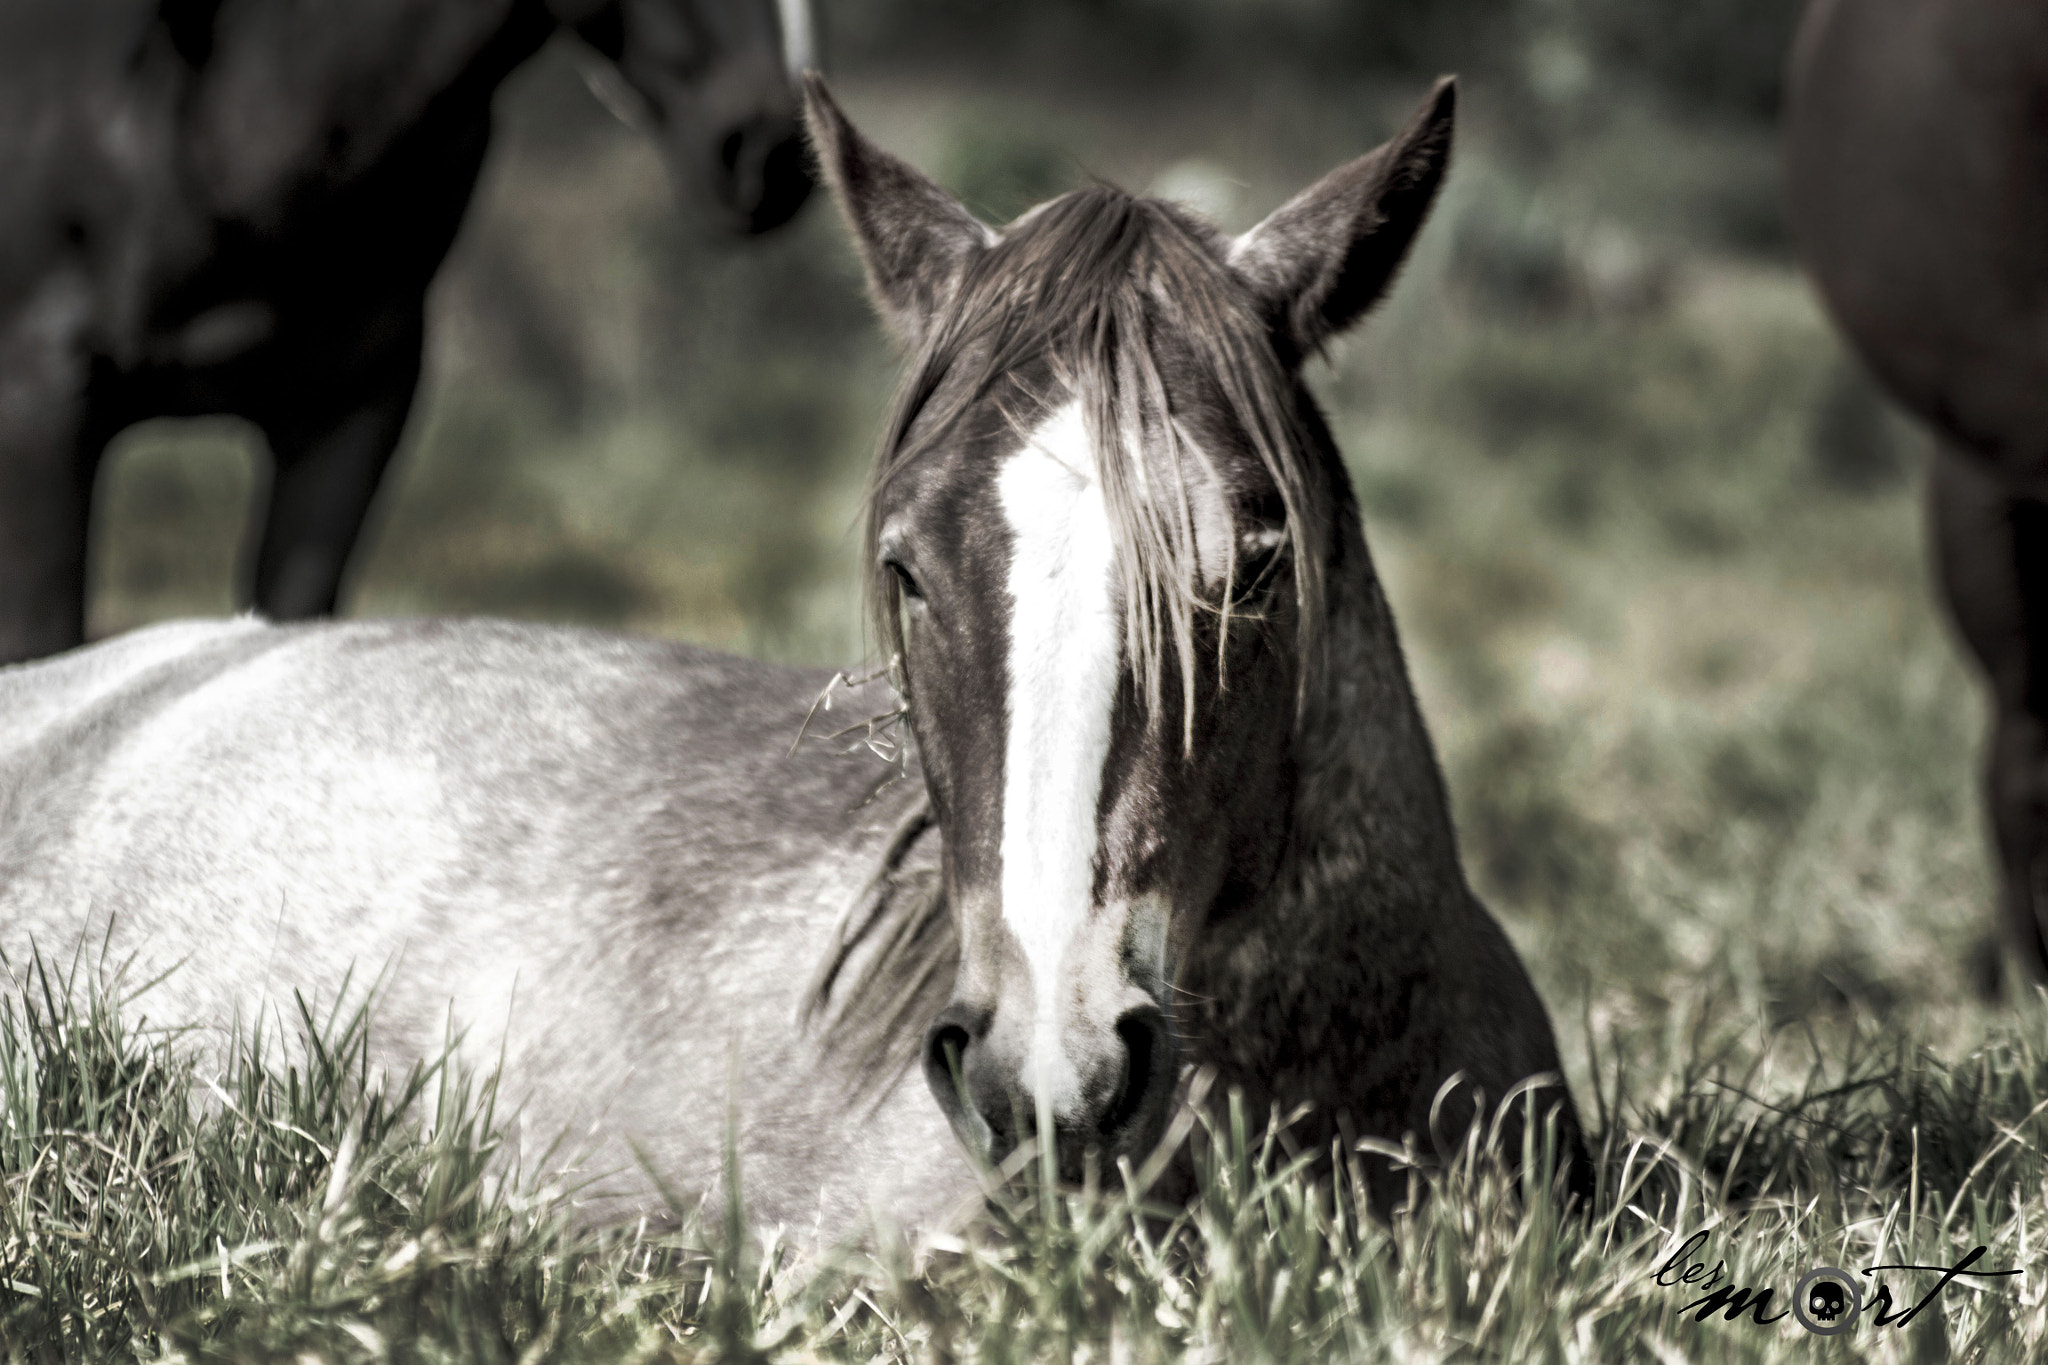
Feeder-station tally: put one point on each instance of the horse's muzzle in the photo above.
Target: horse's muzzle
(1120, 1111)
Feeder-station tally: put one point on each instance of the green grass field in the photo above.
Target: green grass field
(1656, 552)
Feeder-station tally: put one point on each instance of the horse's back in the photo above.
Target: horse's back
(597, 854)
(217, 776)
(1917, 179)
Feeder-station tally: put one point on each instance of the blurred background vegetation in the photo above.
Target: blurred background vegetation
(1653, 538)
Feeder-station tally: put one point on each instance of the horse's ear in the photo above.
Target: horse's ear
(915, 239)
(1326, 255)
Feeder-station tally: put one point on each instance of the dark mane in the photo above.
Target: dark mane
(895, 953)
(1093, 283)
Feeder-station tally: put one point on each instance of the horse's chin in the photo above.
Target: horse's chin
(1083, 1155)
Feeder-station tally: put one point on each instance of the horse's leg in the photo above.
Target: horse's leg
(49, 448)
(1991, 553)
(329, 460)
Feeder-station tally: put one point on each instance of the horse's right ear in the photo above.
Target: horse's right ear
(915, 239)
(1328, 254)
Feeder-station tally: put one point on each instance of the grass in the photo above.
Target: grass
(152, 1208)
(1655, 549)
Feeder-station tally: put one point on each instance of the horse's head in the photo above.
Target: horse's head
(713, 81)
(1098, 530)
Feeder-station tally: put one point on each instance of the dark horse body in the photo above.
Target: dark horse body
(1917, 164)
(1167, 801)
(236, 206)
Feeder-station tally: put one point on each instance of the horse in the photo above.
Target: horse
(1916, 156)
(236, 206)
(1142, 792)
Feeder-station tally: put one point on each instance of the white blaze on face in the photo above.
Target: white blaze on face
(1064, 636)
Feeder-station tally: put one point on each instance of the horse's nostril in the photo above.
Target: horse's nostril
(946, 1047)
(763, 175)
(1147, 1061)
(731, 148)
(785, 183)
(946, 1053)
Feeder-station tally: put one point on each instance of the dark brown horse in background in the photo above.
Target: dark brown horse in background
(236, 206)
(1917, 162)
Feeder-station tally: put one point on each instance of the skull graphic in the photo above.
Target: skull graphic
(1826, 1301)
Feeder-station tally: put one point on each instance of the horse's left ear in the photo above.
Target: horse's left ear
(915, 239)
(1326, 255)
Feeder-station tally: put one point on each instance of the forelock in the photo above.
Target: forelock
(1095, 287)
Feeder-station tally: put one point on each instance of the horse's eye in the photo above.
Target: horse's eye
(1260, 559)
(904, 580)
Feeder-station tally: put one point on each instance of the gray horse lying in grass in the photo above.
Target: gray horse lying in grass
(1165, 801)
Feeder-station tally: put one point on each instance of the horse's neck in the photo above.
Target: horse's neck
(1371, 822)
(1302, 989)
